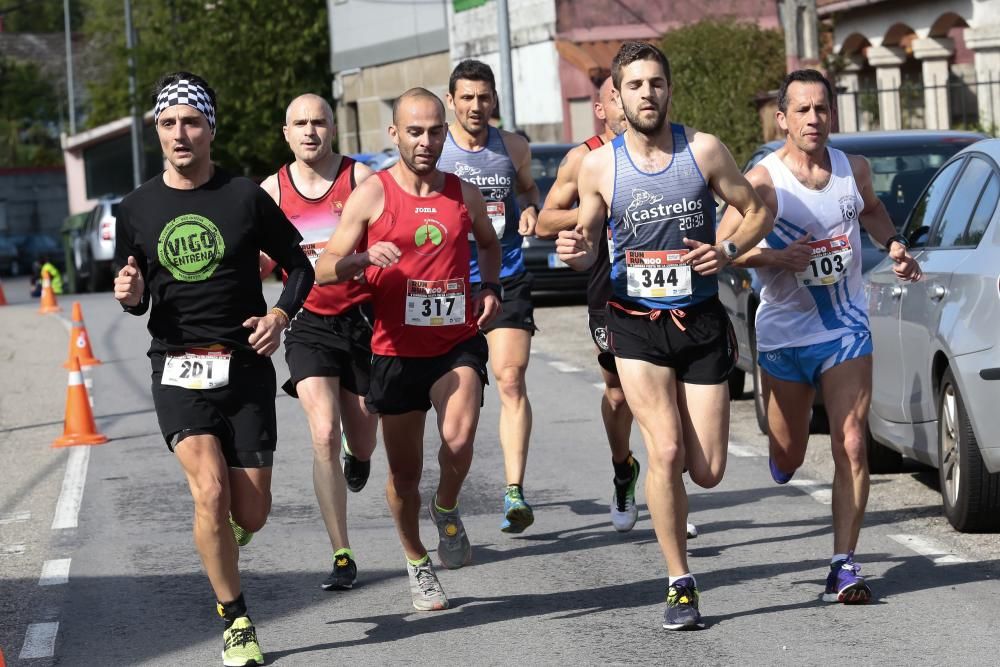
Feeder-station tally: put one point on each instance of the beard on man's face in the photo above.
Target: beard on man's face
(646, 125)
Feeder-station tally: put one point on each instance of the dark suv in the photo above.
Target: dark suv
(902, 164)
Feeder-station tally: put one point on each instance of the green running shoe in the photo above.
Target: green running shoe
(242, 536)
(241, 647)
(517, 514)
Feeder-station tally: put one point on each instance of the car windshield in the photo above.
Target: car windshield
(544, 165)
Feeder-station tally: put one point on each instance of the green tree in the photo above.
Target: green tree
(256, 54)
(718, 68)
(29, 116)
(39, 15)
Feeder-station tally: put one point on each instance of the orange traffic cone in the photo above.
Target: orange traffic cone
(79, 342)
(3, 302)
(79, 428)
(49, 304)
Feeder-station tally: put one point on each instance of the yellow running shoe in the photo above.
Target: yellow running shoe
(241, 647)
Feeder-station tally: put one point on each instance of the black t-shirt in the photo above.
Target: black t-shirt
(198, 251)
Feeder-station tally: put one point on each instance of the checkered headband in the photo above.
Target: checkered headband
(189, 93)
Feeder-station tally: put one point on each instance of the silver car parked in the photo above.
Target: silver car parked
(94, 248)
(936, 392)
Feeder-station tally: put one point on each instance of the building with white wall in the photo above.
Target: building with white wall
(916, 63)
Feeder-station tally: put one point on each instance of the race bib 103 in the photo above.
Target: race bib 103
(830, 261)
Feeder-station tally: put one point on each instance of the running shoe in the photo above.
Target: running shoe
(778, 476)
(692, 530)
(624, 512)
(682, 606)
(845, 583)
(425, 589)
(517, 514)
(355, 471)
(242, 535)
(454, 549)
(241, 647)
(343, 576)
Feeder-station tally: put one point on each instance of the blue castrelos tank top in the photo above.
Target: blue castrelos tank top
(651, 214)
(492, 171)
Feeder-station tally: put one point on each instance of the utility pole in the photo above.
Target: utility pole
(798, 18)
(136, 117)
(69, 68)
(507, 115)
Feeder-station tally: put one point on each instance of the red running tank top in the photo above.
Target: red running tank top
(316, 219)
(423, 307)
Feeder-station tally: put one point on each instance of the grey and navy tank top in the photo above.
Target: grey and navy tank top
(492, 171)
(651, 214)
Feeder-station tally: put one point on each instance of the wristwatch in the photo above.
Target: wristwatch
(730, 250)
(497, 288)
(897, 238)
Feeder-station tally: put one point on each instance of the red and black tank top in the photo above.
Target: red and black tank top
(599, 284)
(316, 220)
(423, 307)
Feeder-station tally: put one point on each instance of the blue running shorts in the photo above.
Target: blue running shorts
(806, 364)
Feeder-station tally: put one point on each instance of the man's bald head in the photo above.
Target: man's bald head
(605, 94)
(311, 102)
(414, 94)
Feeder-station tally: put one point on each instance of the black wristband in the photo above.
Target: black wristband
(897, 238)
(496, 288)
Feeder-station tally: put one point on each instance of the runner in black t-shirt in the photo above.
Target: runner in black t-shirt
(189, 241)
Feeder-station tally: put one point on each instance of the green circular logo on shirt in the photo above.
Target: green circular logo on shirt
(191, 247)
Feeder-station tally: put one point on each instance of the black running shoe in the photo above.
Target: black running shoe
(682, 606)
(345, 572)
(355, 471)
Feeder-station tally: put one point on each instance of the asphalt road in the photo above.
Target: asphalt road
(568, 591)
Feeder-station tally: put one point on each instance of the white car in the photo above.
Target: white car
(936, 391)
(94, 247)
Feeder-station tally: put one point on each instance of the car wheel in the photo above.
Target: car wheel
(971, 494)
(881, 459)
(758, 385)
(737, 380)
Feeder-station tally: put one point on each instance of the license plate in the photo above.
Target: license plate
(556, 263)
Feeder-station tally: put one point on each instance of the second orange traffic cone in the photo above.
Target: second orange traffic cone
(79, 342)
(79, 428)
(49, 304)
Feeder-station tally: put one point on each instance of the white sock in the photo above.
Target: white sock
(838, 557)
(673, 580)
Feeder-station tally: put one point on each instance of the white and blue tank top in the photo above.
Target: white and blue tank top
(651, 214)
(492, 171)
(827, 300)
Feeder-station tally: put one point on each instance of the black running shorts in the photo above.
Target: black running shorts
(518, 310)
(403, 384)
(330, 346)
(241, 414)
(699, 345)
(599, 332)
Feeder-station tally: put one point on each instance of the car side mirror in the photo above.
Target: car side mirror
(918, 237)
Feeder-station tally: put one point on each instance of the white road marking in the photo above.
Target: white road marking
(15, 517)
(745, 451)
(599, 385)
(820, 492)
(68, 506)
(39, 640)
(55, 572)
(929, 548)
(563, 367)
(11, 549)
